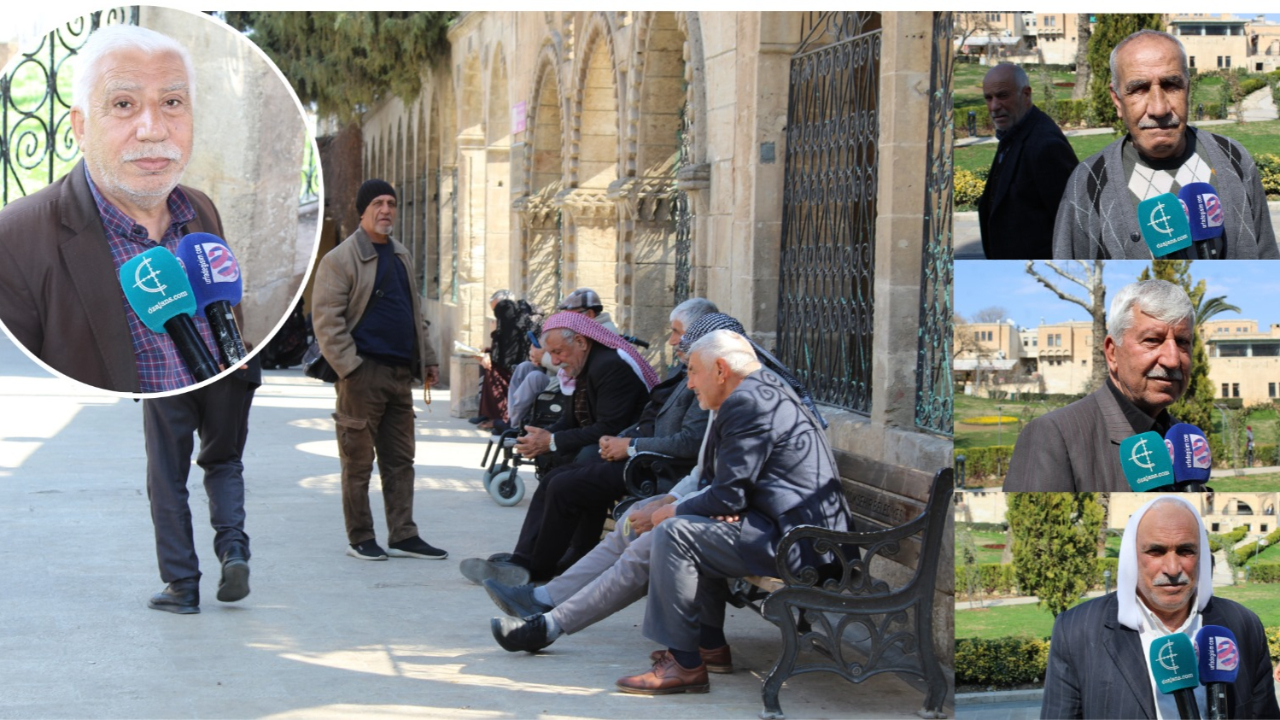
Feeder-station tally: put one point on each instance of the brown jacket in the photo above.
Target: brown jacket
(60, 293)
(343, 286)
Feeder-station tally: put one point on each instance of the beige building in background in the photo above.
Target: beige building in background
(1001, 357)
(1244, 362)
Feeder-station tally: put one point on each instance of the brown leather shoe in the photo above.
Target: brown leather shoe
(718, 661)
(666, 678)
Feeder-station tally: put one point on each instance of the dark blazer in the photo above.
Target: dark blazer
(768, 460)
(1016, 212)
(60, 293)
(1097, 668)
(614, 398)
(677, 423)
(1073, 449)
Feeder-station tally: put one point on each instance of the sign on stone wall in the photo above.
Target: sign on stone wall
(518, 115)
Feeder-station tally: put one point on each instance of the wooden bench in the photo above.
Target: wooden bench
(901, 515)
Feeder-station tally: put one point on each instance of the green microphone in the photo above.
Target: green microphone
(160, 294)
(1176, 670)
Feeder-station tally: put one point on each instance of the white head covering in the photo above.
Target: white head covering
(1127, 578)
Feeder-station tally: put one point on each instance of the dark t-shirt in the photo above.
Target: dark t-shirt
(386, 332)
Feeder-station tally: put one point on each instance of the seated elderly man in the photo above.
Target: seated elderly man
(1099, 654)
(762, 443)
(611, 384)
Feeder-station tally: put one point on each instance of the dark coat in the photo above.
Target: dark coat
(673, 423)
(1075, 448)
(60, 293)
(613, 396)
(768, 460)
(1097, 668)
(1016, 212)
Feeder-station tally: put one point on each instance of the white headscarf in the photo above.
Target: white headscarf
(1127, 578)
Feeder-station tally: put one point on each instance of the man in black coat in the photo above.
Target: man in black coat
(1028, 175)
(1098, 656)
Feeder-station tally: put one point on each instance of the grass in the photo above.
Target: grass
(1030, 620)
(1222, 482)
(984, 555)
(967, 87)
(968, 436)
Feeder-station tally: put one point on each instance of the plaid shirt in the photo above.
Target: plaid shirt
(160, 366)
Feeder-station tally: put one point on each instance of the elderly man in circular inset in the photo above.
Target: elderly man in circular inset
(1161, 153)
(1027, 175)
(1150, 331)
(1098, 656)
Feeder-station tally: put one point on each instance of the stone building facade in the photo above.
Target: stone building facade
(793, 167)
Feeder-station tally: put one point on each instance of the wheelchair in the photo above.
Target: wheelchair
(502, 463)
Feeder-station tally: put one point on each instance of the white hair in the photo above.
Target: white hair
(692, 309)
(114, 38)
(729, 346)
(1115, 52)
(1160, 299)
(565, 334)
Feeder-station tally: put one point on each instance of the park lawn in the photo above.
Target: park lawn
(966, 86)
(1222, 481)
(980, 538)
(1030, 620)
(968, 436)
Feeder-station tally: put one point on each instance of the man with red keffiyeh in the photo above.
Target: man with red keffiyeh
(611, 384)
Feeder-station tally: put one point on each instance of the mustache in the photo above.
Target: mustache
(163, 150)
(1168, 121)
(1176, 581)
(1160, 373)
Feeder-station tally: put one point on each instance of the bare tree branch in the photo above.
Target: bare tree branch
(1031, 270)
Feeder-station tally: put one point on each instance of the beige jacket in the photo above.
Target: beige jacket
(343, 286)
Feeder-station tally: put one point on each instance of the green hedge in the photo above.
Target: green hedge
(1002, 662)
(1069, 112)
(1273, 642)
(1265, 573)
(981, 462)
(991, 578)
(1246, 551)
(1251, 85)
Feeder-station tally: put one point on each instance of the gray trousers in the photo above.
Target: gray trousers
(609, 578)
(220, 414)
(693, 557)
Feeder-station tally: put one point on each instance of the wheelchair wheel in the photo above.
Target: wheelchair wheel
(487, 477)
(507, 490)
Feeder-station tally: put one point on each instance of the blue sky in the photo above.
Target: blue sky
(1254, 286)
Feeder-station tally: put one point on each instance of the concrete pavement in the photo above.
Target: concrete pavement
(322, 635)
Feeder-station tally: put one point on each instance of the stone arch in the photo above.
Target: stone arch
(589, 220)
(498, 241)
(544, 173)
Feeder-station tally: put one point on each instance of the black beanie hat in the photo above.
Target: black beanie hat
(371, 189)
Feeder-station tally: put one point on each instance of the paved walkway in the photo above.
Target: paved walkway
(322, 635)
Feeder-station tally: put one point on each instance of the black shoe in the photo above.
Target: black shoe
(234, 584)
(477, 419)
(477, 571)
(515, 635)
(180, 596)
(503, 558)
(367, 550)
(515, 600)
(416, 547)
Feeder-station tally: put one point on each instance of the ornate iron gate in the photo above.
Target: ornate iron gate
(825, 303)
(36, 145)
(934, 399)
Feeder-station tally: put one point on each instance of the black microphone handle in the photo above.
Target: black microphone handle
(191, 347)
(1202, 251)
(1187, 709)
(1216, 694)
(225, 331)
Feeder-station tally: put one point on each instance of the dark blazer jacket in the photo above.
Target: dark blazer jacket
(614, 398)
(768, 460)
(1073, 449)
(60, 294)
(1016, 212)
(1097, 668)
(673, 422)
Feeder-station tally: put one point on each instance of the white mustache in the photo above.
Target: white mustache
(1176, 581)
(165, 151)
(1159, 373)
(1169, 121)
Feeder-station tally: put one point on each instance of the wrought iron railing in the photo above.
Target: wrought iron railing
(682, 211)
(934, 388)
(36, 144)
(825, 303)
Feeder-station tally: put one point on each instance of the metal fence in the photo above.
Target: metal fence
(36, 144)
(682, 212)
(826, 304)
(934, 389)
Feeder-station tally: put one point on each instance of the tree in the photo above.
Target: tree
(1090, 278)
(1107, 33)
(1055, 538)
(1083, 31)
(1196, 404)
(993, 314)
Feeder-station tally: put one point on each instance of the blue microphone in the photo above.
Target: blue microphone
(1204, 214)
(1192, 461)
(215, 277)
(157, 289)
(1219, 663)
